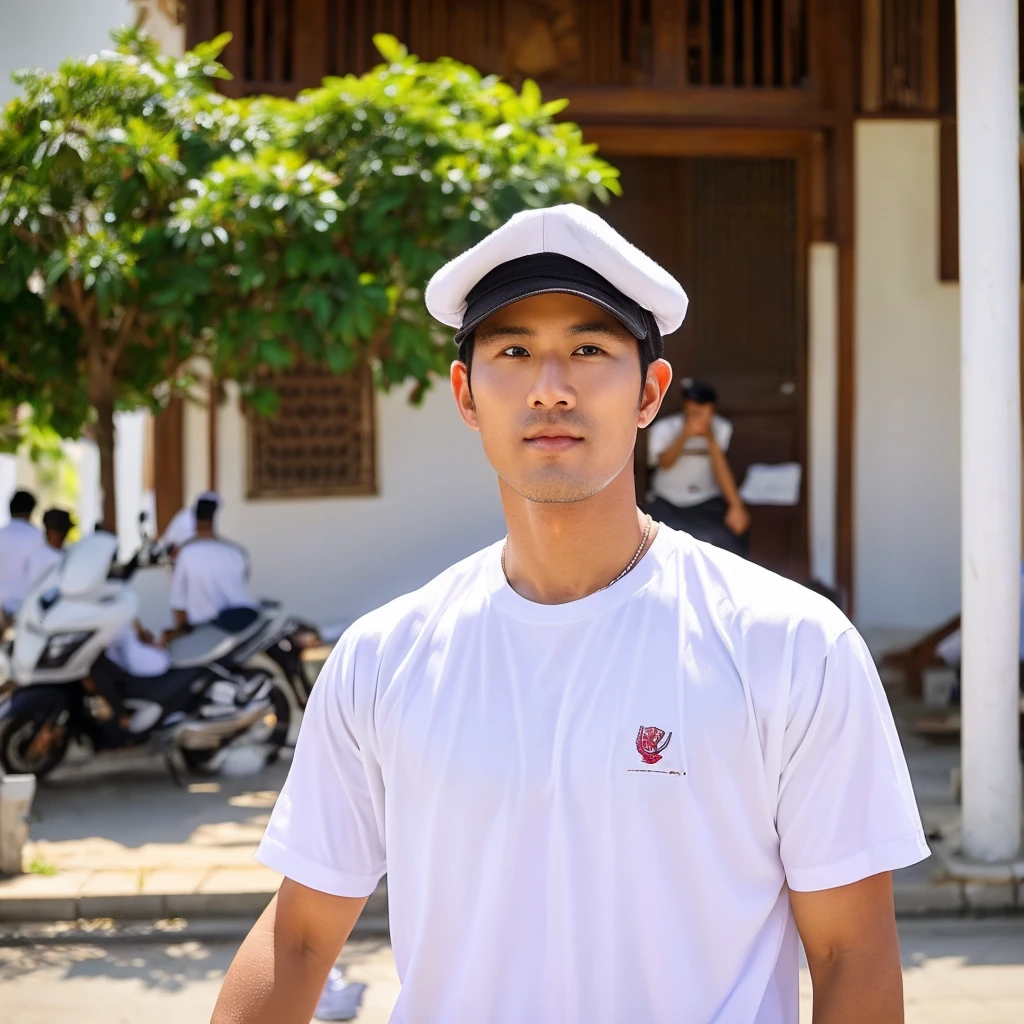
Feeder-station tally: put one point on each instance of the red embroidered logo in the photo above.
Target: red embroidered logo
(650, 742)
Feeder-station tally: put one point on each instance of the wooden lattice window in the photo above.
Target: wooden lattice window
(320, 441)
(281, 46)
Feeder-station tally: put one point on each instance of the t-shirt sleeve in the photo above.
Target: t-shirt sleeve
(327, 828)
(846, 807)
(723, 432)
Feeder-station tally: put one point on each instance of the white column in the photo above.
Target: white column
(987, 144)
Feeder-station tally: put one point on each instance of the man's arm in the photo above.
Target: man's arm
(853, 951)
(670, 456)
(279, 971)
(737, 518)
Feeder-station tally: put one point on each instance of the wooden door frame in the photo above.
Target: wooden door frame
(808, 148)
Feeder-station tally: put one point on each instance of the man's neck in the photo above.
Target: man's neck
(204, 533)
(561, 552)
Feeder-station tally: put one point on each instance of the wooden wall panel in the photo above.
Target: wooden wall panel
(281, 46)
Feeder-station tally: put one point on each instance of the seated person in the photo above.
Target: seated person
(57, 525)
(182, 527)
(211, 575)
(18, 540)
(693, 486)
(133, 650)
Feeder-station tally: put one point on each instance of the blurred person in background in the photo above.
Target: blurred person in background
(211, 577)
(694, 488)
(182, 527)
(18, 540)
(57, 524)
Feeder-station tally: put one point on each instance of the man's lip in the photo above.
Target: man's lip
(553, 442)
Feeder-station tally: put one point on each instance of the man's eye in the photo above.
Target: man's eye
(589, 350)
(516, 351)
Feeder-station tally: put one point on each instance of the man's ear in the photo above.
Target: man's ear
(463, 394)
(659, 378)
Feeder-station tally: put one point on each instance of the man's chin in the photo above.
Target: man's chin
(555, 491)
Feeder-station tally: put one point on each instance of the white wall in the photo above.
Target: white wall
(907, 436)
(41, 33)
(332, 559)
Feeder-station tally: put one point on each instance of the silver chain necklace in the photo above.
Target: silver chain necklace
(625, 572)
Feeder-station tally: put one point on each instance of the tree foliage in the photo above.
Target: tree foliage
(147, 221)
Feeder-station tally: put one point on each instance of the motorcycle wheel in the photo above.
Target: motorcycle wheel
(283, 710)
(206, 762)
(22, 751)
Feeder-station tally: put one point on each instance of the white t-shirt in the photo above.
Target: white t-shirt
(40, 562)
(18, 540)
(691, 480)
(210, 575)
(591, 811)
(135, 656)
(181, 529)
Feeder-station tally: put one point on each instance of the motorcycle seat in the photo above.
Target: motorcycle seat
(212, 641)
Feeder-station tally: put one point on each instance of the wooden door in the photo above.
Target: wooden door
(730, 228)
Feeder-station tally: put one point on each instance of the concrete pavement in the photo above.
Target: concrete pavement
(966, 971)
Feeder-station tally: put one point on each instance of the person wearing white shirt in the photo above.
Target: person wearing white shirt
(18, 540)
(694, 489)
(613, 774)
(211, 575)
(182, 527)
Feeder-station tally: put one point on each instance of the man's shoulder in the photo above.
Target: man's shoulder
(198, 548)
(752, 601)
(20, 530)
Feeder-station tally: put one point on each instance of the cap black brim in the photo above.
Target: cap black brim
(543, 274)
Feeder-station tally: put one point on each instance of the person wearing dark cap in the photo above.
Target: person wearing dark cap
(612, 773)
(57, 524)
(211, 575)
(694, 488)
(18, 540)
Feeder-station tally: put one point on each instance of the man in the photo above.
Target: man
(56, 527)
(182, 527)
(18, 540)
(611, 772)
(694, 489)
(211, 575)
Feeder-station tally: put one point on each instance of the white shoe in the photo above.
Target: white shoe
(340, 999)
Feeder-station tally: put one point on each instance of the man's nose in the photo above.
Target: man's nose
(551, 387)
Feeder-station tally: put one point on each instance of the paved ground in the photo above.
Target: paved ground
(955, 972)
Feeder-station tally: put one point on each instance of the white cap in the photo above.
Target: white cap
(569, 231)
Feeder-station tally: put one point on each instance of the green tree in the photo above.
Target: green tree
(147, 222)
(91, 158)
(319, 243)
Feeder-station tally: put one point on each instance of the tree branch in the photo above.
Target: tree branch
(29, 236)
(123, 333)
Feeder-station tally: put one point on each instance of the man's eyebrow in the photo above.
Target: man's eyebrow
(600, 327)
(488, 332)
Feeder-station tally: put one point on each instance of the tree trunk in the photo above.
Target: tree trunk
(108, 482)
(101, 397)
